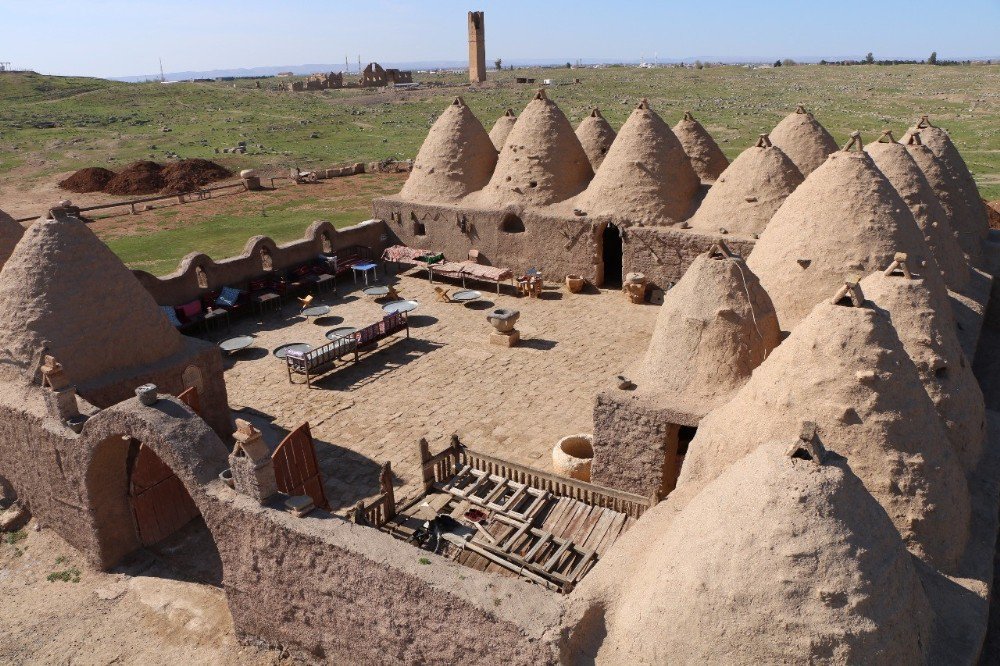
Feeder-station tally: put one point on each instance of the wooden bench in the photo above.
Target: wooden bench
(322, 359)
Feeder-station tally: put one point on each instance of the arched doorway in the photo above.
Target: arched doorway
(611, 254)
(142, 510)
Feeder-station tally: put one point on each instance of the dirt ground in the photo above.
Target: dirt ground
(144, 612)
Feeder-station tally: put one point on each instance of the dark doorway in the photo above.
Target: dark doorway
(612, 255)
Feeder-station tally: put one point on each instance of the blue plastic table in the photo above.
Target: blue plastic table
(364, 268)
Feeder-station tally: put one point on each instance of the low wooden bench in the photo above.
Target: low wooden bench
(322, 359)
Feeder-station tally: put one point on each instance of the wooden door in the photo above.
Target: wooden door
(160, 503)
(296, 468)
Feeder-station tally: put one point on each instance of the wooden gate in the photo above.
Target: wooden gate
(190, 398)
(296, 468)
(160, 503)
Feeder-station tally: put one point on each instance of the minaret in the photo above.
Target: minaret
(477, 48)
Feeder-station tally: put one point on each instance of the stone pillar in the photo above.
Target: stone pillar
(250, 461)
(477, 48)
(61, 397)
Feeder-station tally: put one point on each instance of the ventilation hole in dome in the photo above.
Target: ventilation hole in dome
(533, 183)
(941, 373)
(801, 454)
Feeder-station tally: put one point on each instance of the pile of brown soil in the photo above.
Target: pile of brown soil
(137, 178)
(993, 210)
(91, 179)
(188, 175)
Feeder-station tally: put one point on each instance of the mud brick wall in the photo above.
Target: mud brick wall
(663, 254)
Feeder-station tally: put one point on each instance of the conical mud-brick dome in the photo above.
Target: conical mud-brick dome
(780, 560)
(645, 177)
(715, 326)
(63, 290)
(845, 369)
(844, 219)
(707, 159)
(10, 234)
(954, 195)
(542, 161)
(804, 140)
(501, 128)
(457, 158)
(747, 194)
(596, 136)
(895, 162)
(922, 320)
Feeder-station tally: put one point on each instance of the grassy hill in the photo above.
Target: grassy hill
(50, 125)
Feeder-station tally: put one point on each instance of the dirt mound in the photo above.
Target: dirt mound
(993, 211)
(137, 178)
(91, 179)
(187, 175)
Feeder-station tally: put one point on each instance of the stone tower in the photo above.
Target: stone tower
(477, 48)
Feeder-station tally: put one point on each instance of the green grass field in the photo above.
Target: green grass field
(99, 122)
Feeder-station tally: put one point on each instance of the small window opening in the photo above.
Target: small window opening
(266, 262)
(512, 224)
(202, 277)
(419, 229)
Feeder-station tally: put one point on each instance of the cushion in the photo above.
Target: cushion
(190, 310)
(228, 297)
(301, 271)
(171, 314)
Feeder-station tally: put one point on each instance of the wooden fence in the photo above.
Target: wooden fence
(382, 509)
(442, 466)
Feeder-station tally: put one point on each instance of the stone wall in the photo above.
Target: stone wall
(555, 245)
(663, 254)
(635, 443)
(322, 587)
(182, 285)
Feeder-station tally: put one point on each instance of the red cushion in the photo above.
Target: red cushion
(189, 310)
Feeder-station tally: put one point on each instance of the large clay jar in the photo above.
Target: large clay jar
(635, 287)
(571, 456)
(503, 319)
(575, 283)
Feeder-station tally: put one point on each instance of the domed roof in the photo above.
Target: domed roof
(714, 327)
(63, 290)
(10, 234)
(501, 128)
(596, 136)
(804, 140)
(645, 177)
(898, 166)
(707, 159)
(542, 161)
(779, 560)
(845, 369)
(748, 193)
(955, 197)
(456, 158)
(922, 320)
(844, 219)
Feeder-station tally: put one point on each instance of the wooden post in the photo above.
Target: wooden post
(358, 513)
(427, 474)
(385, 481)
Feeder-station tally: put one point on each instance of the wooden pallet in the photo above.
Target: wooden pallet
(496, 493)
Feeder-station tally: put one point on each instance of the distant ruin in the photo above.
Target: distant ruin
(373, 76)
(477, 47)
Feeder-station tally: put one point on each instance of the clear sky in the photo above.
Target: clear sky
(125, 37)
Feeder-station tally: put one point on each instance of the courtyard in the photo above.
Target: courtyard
(446, 379)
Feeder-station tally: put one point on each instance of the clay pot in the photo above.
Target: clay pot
(571, 456)
(227, 477)
(503, 319)
(575, 283)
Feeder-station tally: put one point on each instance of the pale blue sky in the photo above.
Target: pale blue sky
(120, 38)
